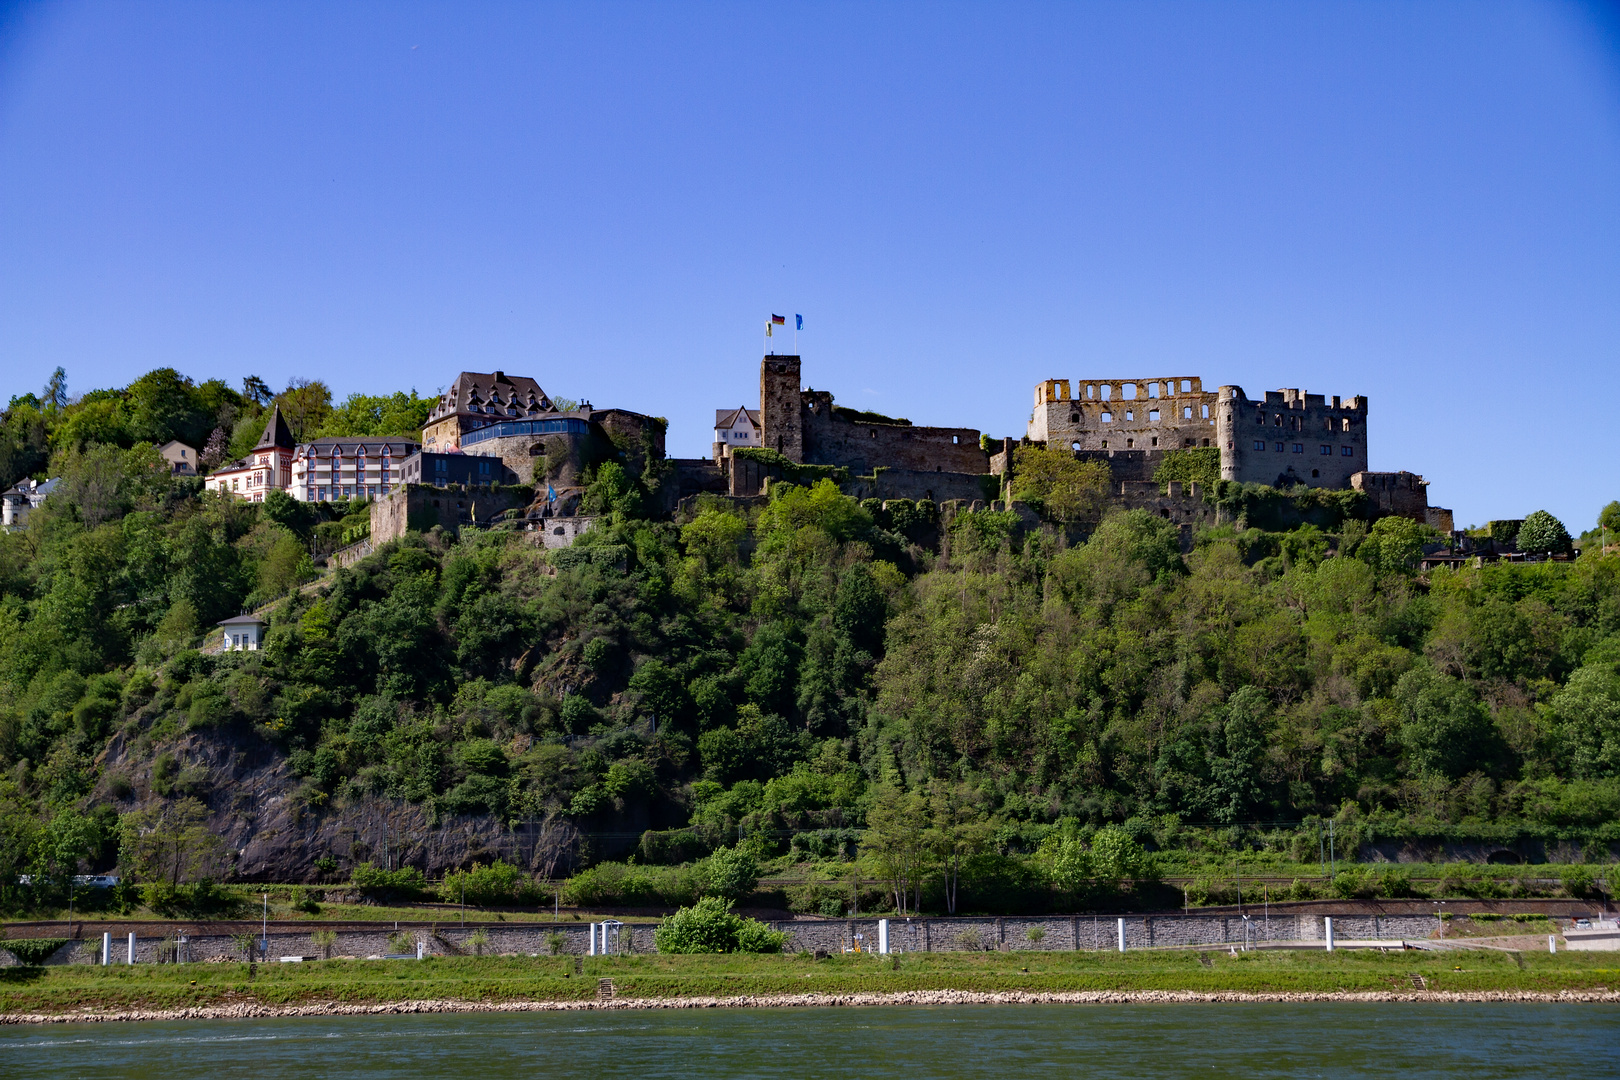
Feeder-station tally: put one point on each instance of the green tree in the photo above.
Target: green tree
(1065, 487)
(732, 873)
(897, 841)
(1444, 727)
(1543, 534)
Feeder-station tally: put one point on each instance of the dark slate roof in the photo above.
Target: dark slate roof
(276, 433)
(351, 446)
(495, 394)
(724, 418)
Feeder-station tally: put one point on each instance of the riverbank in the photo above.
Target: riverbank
(345, 986)
(248, 1011)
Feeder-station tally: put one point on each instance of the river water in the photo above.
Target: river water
(918, 1043)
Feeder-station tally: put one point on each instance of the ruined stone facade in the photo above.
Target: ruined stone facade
(1402, 494)
(1166, 413)
(1289, 438)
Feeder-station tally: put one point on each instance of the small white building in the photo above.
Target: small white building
(734, 428)
(182, 459)
(243, 633)
(20, 500)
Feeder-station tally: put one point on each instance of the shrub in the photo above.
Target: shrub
(34, 951)
(380, 886)
(1035, 934)
(495, 885)
(324, 940)
(479, 939)
(710, 926)
(555, 942)
(1543, 534)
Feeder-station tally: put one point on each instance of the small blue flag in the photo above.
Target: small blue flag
(551, 493)
(798, 322)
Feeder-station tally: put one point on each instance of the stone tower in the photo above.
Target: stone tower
(780, 407)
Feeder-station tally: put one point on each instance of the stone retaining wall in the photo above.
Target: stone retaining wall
(1012, 933)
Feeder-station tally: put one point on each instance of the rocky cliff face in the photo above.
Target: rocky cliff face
(277, 833)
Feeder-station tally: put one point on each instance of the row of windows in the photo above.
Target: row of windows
(1130, 444)
(1299, 448)
(319, 494)
(1103, 391)
(1298, 424)
(1153, 415)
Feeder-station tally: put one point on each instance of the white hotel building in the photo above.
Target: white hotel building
(321, 470)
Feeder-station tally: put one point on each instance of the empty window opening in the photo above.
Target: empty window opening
(1186, 386)
(1315, 473)
(956, 440)
(1130, 414)
(1129, 443)
(1153, 389)
(1074, 418)
(1153, 415)
(1206, 412)
(1206, 442)
(1186, 413)
(1154, 441)
(1074, 446)
(1091, 391)
(1108, 418)
(1346, 424)
(1128, 391)
(1105, 444)
(1107, 392)
(1276, 419)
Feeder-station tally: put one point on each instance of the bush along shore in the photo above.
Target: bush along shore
(340, 987)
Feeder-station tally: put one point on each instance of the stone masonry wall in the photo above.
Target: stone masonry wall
(1291, 438)
(831, 440)
(1055, 932)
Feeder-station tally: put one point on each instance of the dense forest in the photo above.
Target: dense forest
(793, 675)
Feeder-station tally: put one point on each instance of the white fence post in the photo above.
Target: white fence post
(1327, 921)
(883, 935)
(1552, 943)
(132, 948)
(106, 949)
(421, 949)
(1121, 935)
(590, 950)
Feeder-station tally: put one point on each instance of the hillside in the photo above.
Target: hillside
(779, 675)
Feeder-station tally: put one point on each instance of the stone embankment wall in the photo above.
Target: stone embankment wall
(1052, 933)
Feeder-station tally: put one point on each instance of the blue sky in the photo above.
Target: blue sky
(1415, 202)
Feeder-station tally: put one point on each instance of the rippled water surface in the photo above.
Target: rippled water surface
(1336, 1040)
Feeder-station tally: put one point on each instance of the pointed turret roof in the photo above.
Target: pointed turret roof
(276, 433)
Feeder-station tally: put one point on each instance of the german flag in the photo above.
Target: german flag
(779, 320)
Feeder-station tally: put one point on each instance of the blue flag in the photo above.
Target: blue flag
(798, 322)
(551, 493)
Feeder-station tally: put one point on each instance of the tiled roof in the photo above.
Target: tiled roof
(724, 418)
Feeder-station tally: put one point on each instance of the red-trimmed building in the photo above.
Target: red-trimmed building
(269, 467)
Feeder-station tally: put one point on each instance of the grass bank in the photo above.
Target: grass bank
(492, 980)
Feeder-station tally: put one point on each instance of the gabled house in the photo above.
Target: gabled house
(269, 467)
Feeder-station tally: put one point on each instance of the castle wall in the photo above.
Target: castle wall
(862, 446)
(1290, 438)
(419, 507)
(917, 484)
(1165, 413)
